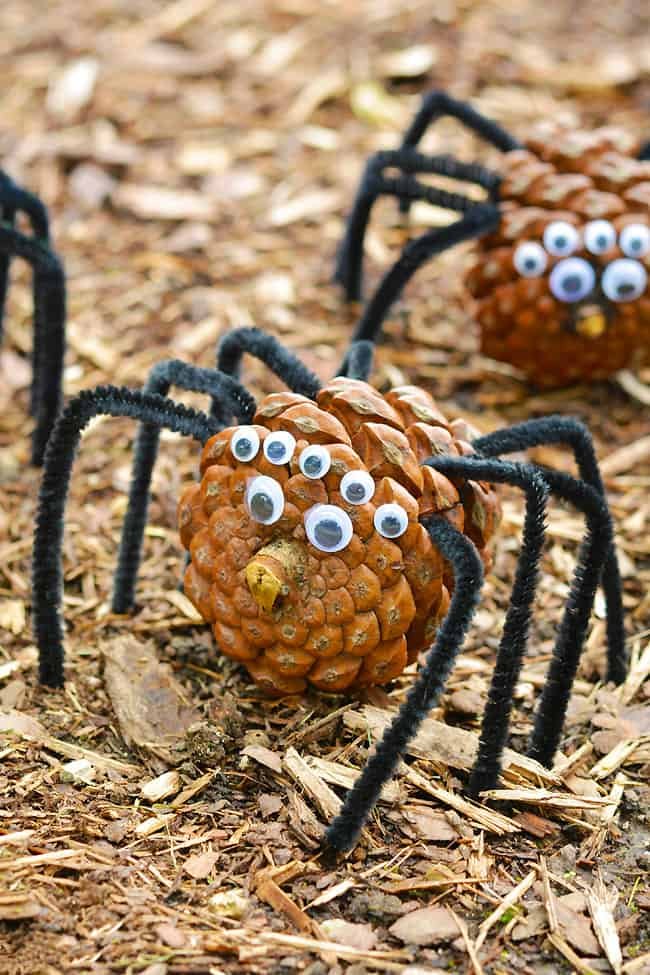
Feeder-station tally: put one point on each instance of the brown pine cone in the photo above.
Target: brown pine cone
(580, 321)
(332, 596)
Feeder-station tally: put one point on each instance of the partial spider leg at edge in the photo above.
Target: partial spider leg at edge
(514, 638)
(374, 183)
(480, 220)
(253, 341)
(358, 360)
(13, 200)
(572, 433)
(343, 832)
(49, 331)
(221, 388)
(47, 570)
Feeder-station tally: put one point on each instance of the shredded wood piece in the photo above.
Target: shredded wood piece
(485, 818)
(558, 942)
(602, 902)
(509, 901)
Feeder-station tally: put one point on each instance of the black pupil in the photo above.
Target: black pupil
(601, 242)
(390, 526)
(355, 491)
(625, 288)
(276, 450)
(561, 242)
(530, 263)
(312, 465)
(572, 283)
(328, 533)
(243, 447)
(635, 244)
(261, 506)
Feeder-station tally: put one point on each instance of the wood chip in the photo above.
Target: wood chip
(326, 801)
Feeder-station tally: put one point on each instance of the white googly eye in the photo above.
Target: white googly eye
(624, 280)
(314, 461)
(357, 487)
(530, 259)
(572, 280)
(279, 447)
(264, 500)
(561, 238)
(391, 520)
(635, 240)
(244, 444)
(328, 528)
(600, 236)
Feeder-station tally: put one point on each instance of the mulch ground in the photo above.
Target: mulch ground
(159, 815)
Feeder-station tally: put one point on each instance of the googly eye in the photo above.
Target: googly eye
(530, 259)
(315, 461)
(328, 528)
(600, 236)
(244, 444)
(264, 500)
(357, 487)
(391, 520)
(635, 240)
(572, 280)
(624, 280)
(561, 238)
(279, 447)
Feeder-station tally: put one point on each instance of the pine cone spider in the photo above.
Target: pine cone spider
(560, 280)
(274, 483)
(49, 303)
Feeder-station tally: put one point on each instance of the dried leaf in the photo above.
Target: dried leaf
(200, 865)
(151, 707)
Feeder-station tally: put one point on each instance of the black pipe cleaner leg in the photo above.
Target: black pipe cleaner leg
(404, 187)
(593, 555)
(570, 432)
(253, 341)
(436, 104)
(422, 696)
(47, 572)
(481, 219)
(512, 646)
(161, 378)
(49, 331)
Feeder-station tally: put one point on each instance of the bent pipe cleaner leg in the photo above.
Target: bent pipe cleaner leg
(594, 551)
(349, 265)
(436, 104)
(569, 432)
(481, 219)
(512, 646)
(161, 378)
(253, 341)
(8, 218)
(47, 571)
(49, 330)
(468, 572)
